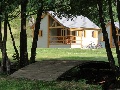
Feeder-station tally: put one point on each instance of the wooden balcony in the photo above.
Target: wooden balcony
(64, 39)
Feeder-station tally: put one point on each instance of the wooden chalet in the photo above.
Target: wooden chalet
(64, 32)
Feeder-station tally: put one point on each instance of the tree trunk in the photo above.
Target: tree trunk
(15, 48)
(36, 31)
(1, 44)
(118, 11)
(0, 30)
(114, 30)
(23, 36)
(105, 36)
(4, 53)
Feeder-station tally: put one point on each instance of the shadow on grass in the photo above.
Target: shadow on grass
(79, 58)
(93, 72)
(75, 58)
(96, 71)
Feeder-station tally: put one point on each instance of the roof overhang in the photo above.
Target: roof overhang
(97, 29)
(82, 29)
(76, 29)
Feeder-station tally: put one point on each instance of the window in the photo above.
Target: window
(63, 32)
(94, 34)
(73, 33)
(40, 33)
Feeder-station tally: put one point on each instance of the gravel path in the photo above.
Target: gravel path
(46, 70)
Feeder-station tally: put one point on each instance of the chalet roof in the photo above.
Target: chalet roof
(76, 22)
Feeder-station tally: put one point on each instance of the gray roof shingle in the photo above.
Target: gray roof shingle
(76, 22)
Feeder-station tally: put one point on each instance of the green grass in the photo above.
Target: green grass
(71, 54)
(24, 84)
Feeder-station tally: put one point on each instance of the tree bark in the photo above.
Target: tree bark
(1, 44)
(4, 53)
(23, 36)
(1, 27)
(36, 31)
(118, 11)
(105, 36)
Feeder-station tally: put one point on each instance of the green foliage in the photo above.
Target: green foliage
(48, 5)
(9, 7)
(15, 26)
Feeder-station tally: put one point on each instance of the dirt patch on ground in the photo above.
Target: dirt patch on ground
(47, 70)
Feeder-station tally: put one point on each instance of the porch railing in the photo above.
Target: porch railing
(64, 40)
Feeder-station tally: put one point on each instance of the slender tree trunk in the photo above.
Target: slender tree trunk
(118, 12)
(36, 31)
(4, 53)
(1, 44)
(23, 36)
(0, 35)
(105, 36)
(1, 28)
(15, 48)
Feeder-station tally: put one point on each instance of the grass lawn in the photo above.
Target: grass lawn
(23, 84)
(56, 54)
(62, 53)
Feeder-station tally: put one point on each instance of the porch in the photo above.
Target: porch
(63, 37)
(68, 41)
